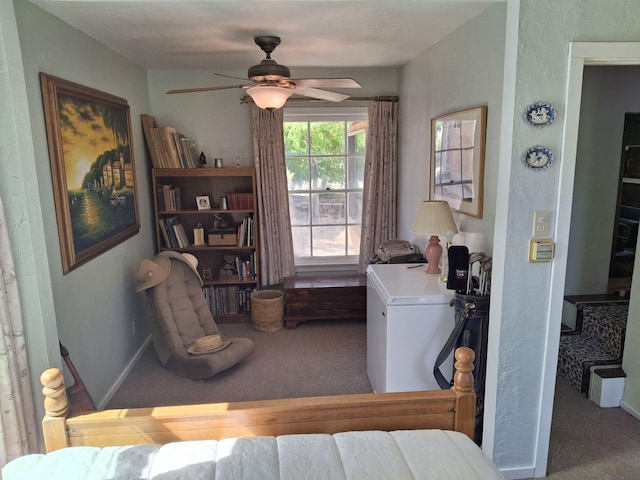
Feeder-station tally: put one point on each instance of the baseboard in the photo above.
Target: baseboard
(118, 383)
(515, 473)
(630, 410)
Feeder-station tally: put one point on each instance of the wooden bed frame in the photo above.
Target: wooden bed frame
(452, 409)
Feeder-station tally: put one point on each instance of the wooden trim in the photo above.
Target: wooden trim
(452, 409)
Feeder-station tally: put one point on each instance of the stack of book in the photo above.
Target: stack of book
(228, 300)
(245, 232)
(168, 198)
(173, 233)
(168, 148)
(240, 201)
(246, 268)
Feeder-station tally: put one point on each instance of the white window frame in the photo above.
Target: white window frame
(339, 264)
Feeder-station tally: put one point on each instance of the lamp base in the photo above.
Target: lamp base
(433, 252)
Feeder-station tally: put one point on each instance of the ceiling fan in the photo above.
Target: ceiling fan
(271, 83)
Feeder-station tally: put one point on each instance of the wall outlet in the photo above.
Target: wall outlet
(540, 224)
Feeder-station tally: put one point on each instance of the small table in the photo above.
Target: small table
(324, 297)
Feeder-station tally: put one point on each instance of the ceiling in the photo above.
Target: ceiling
(218, 34)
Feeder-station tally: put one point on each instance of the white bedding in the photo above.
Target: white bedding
(399, 455)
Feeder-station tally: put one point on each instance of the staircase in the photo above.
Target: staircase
(598, 339)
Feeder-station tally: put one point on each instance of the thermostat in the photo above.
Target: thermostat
(541, 250)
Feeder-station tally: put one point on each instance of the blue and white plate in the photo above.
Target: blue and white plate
(540, 114)
(538, 158)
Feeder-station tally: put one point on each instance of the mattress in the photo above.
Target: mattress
(398, 455)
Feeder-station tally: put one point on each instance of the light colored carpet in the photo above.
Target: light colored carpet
(316, 358)
(589, 442)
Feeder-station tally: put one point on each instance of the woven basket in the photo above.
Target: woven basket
(267, 310)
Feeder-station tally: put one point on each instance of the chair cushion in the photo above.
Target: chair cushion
(182, 315)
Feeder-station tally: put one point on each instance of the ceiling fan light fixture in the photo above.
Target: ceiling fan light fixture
(269, 97)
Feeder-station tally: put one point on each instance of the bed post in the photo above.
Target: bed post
(465, 418)
(56, 410)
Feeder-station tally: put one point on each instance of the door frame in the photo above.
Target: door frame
(581, 54)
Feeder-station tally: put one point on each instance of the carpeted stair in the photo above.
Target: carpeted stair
(598, 339)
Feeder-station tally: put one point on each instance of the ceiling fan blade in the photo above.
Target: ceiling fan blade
(320, 94)
(231, 76)
(206, 89)
(326, 82)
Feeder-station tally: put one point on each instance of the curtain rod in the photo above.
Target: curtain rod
(247, 99)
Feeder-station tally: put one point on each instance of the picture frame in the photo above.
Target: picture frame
(92, 169)
(203, 202)
(457, 159)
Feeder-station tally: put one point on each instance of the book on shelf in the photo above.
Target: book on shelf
(228, 299)
(167, 147)
(169, 199)
(245, 232)
(165, 234)
(240, 201)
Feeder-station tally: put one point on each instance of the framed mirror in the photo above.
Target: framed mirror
(457, 159)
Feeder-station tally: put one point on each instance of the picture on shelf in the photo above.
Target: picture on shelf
(203, 202)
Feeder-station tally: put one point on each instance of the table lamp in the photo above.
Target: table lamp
(434, 218)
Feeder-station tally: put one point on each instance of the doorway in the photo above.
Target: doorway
(580, 55)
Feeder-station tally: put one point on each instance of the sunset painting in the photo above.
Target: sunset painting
(93, 169)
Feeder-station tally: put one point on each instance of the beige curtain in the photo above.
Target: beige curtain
(276, 244)
(18, 429)
(379, 217)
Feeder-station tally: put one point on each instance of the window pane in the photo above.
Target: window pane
(328, 208)
(298, 173)
(329, 241)
(353, 239)
(327, 138)
(296, 138)
(301, 241)
(355, 172)
(354, 204)
(327, 172)
(356, 138)
(299, 208)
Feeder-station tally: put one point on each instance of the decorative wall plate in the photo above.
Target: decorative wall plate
(538, 158)
(540, 114)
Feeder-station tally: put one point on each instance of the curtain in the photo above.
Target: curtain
(379, 198)
(18, 429)
(275, 242)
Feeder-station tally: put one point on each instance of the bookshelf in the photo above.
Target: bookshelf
(190, 216)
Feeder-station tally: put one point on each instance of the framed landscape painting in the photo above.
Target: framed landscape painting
(92, 169)
(457, 159)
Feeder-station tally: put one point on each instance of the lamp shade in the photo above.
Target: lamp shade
(434, 218)
(269, 97)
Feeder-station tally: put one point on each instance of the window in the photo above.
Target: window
(324, 152)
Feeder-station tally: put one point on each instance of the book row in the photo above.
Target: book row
(169, 200)
(168, 148)
(175, 235)
(228, 300)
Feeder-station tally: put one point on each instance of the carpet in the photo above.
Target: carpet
(314, 359)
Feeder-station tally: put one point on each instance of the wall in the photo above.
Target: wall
(18, 189)
(96, 304)
(524, 319)
(461, 71)
(608, 93)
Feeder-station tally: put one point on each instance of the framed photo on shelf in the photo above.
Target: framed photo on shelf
(203, 202)
(457, 159)
(92, 169)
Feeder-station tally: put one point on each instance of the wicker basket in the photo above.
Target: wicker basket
(267, 310)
